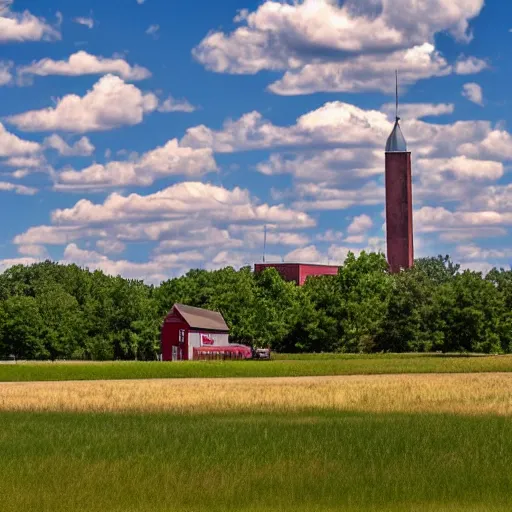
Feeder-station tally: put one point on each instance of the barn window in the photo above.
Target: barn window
(181, 336)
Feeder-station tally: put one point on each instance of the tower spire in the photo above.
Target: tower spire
(396, 141)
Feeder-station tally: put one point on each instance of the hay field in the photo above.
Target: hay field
(469, 394)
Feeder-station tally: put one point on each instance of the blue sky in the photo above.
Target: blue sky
(148, 137)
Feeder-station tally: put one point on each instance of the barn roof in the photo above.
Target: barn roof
(199, 318)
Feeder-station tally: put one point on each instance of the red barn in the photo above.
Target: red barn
(194, 333)
(298, 272)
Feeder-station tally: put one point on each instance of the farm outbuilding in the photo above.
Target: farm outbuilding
(193, 333)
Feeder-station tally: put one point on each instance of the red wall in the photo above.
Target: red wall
(399, 211)
(316, 270)
(298, 272)
(170, 336)
(288, 271)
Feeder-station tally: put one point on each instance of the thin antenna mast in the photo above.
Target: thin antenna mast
(264, 242)
(396, 76)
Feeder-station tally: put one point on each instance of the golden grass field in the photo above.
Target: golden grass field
(464, 394)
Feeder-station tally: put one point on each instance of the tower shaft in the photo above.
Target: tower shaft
(399, 210)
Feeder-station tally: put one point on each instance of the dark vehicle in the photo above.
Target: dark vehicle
(261, 353)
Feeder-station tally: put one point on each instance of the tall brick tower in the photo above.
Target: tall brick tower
(399, 232)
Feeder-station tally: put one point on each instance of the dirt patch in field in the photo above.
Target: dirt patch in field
(489, 393)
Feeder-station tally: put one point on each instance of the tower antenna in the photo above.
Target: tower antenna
(396, 76)
(264, 242)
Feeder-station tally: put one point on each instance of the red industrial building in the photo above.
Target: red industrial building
(399, 208)
(298, 272)
(194, 333)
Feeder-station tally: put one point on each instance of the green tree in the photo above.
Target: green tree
(318, 328)
(439, 270)
(233, 293)
(411, 322)
(63, 332)
(365, 288)
(471, 308)
(275, 308)
(20, 329)
(502, 281)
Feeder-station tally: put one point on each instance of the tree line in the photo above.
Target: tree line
(53, 311)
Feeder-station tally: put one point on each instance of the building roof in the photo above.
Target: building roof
(396, 142)
(199, 318)
(296, 264)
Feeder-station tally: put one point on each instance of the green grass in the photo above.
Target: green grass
(308, 356)
(282, 366)
(297, 462)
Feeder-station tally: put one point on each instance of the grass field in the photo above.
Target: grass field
(254, 462)
(403, 442)
(282, 366)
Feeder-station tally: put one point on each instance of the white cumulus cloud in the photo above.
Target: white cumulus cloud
(334, 123)
(152, 30)
(111, 246)
(181, 199)
(25, 161)
(168, 160)
(20, 27)
(432, 219)
(351, 46)
(419, 110)
(280, 35)
(110, 104)
(313, 196)
(83, 63)
(470, 66)
(82, 147)
(463, 167)
(364, 73)
(35, 251)
(360, 224)
(206, 222)
(5, 73)
(11, 262)
(5, 186)
(474, 252)
(497, 144)
(153, 271)
(474, 93)
(333, 166)
(11, 145)
(173, 105)
(86, 21)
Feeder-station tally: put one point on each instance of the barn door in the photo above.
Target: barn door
(174, 353)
